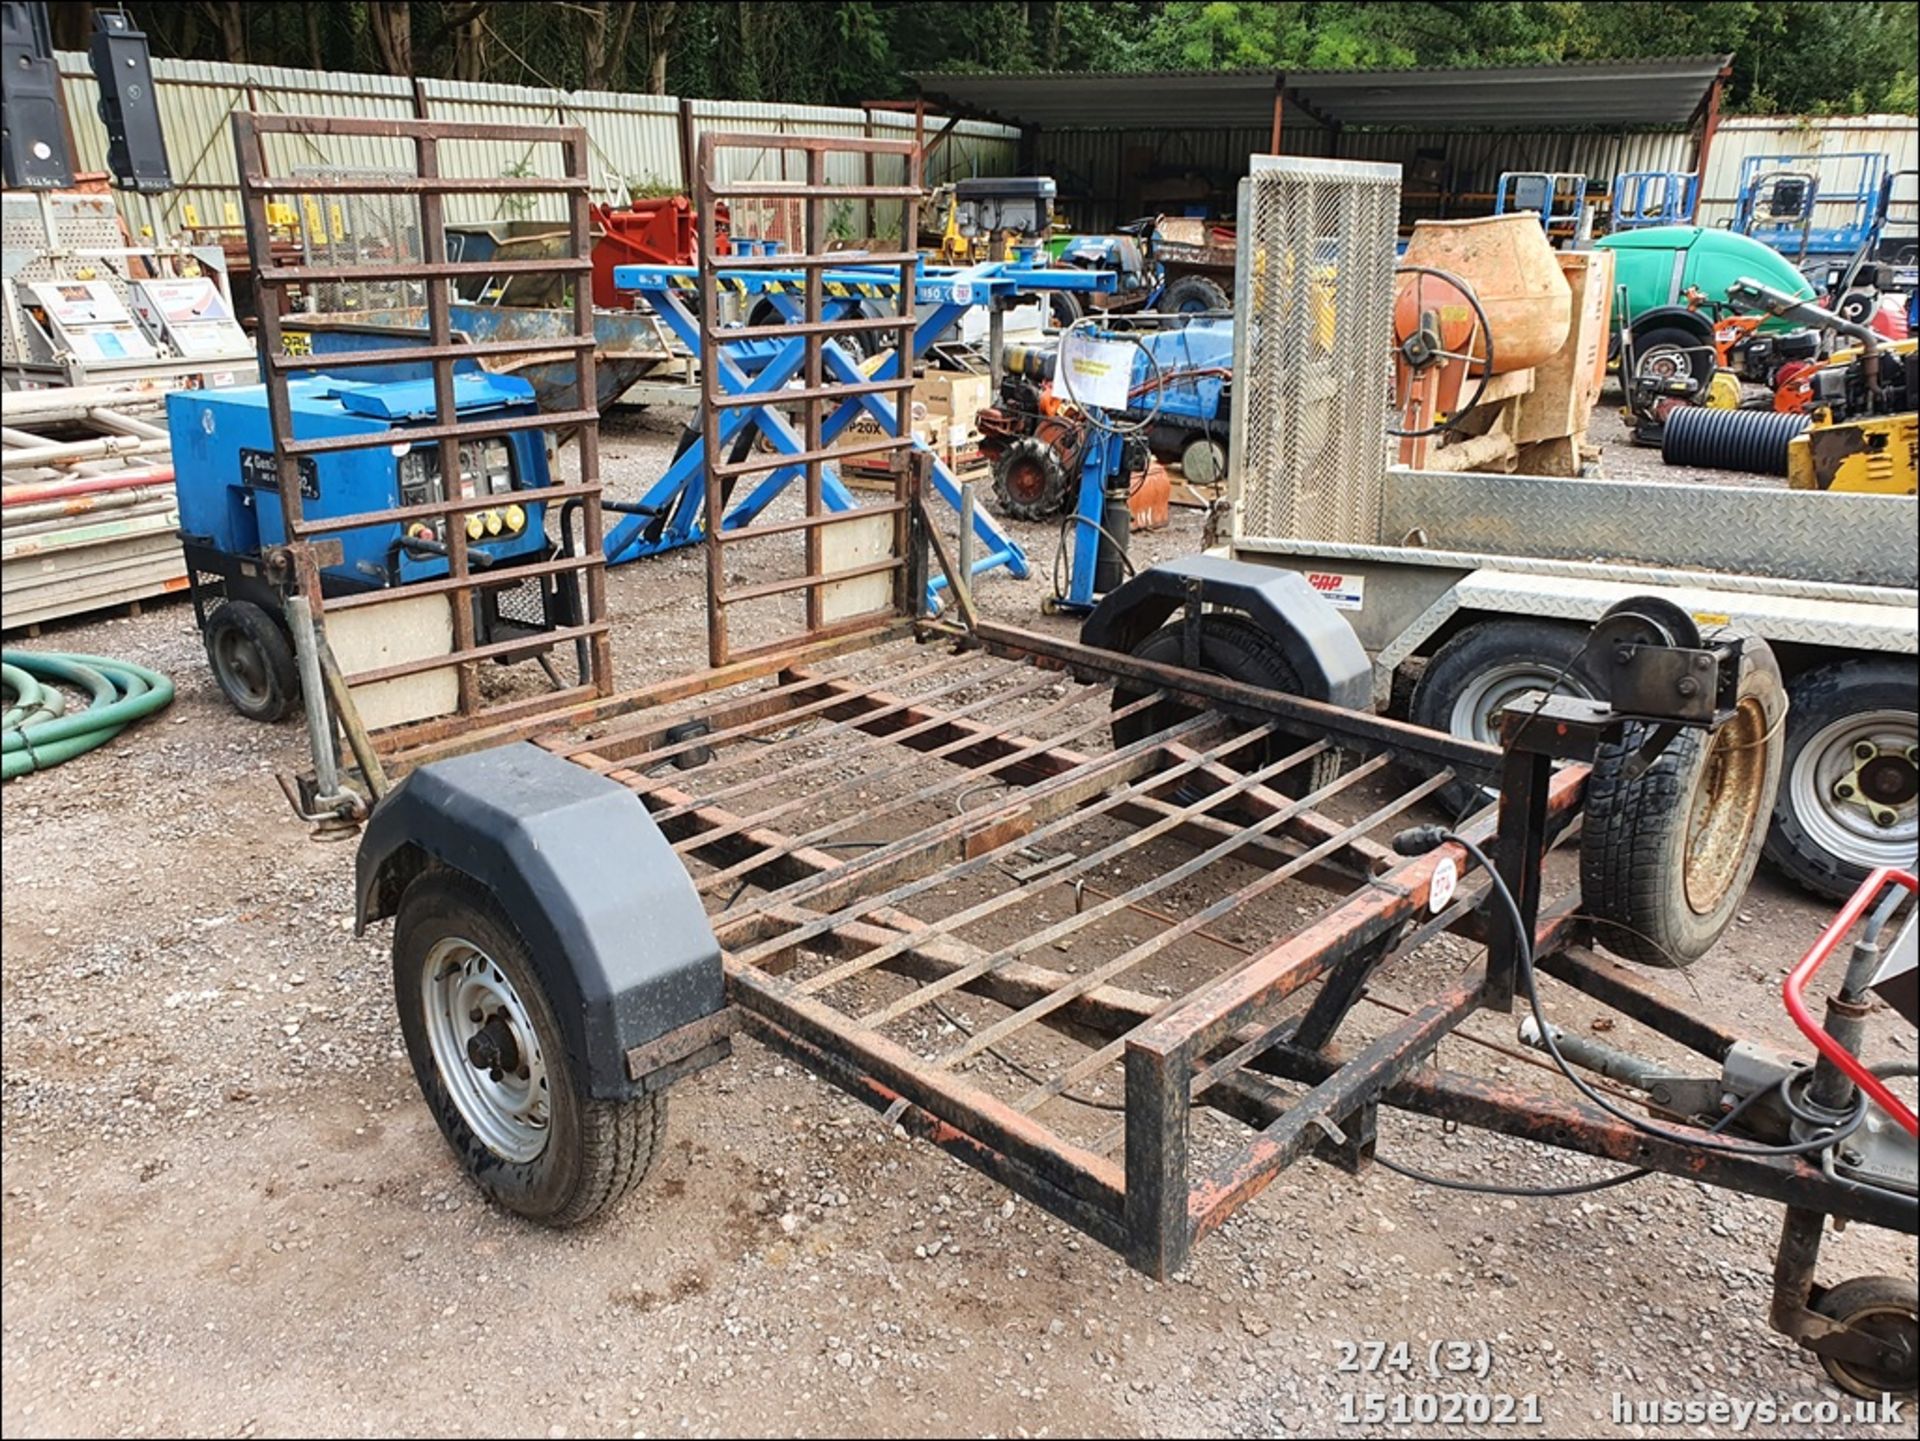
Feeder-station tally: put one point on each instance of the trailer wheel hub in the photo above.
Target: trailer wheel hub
(486, 1050)
(491, 1048)
(1858, 784)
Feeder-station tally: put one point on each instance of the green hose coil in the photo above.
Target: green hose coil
(37, 732)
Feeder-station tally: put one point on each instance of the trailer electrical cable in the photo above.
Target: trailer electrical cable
(1425, 838)
(38, 735)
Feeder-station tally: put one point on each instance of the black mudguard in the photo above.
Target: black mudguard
(615, 927)
(1318, 643)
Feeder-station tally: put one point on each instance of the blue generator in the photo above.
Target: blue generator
(227, 483)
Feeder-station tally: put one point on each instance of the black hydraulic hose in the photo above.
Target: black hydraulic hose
(1754, 442)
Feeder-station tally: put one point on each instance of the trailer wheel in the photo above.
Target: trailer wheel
(1886, 1307)
(1666, 856)
(1195, 295)
(1849, 797)
(1481, 671)
(252, 661)
(1234, 647)
(1063, 308)
(493, 1066)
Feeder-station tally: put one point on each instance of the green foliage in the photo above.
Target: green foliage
(517, 206)
(1794, 58)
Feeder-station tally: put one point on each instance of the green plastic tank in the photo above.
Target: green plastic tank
(1660, 264)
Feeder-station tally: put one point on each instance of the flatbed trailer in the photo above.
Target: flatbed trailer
(1470, 590)
(1098, 917)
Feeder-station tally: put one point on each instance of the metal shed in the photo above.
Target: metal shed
(1109, 137)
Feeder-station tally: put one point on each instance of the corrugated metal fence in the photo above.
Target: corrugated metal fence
(635, 139)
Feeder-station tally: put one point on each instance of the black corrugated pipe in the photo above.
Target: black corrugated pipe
(1743, 440)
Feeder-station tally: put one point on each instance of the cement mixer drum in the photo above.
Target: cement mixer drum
(1511, 269)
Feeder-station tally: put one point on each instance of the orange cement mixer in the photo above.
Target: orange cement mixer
(1473, 299)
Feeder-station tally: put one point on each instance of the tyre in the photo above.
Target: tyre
(1486, 667)
(1672, 350)
(252, 661)
(1203, 460)
(1194, 295)
(1063, 308)
(1849, 797)
(1886, 1307)
(1666, 856)
(1857, 306)
(1234, 647)
(493, 1066)
(1029, 482)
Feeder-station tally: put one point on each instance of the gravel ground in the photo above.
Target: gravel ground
(227, 1212)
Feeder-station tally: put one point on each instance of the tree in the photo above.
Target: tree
(230, 22)
(1794, 58)
(467, 31)
(392, 24)
(663, 24)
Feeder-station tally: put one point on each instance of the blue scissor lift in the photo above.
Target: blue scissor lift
(1645, 198)
(669, 515)
(1782, 195)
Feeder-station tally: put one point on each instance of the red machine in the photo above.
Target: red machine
(658, 231)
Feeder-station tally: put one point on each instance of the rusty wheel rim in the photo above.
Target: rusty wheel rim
(1026, 481)
(1727, 804)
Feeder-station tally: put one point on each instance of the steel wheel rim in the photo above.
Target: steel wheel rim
(1664, 362)
(1477, 707)
(1889, 1322)
(1845, 827)
(1726, 808)
(241, 665)
(507, 1109)
(1026, 481)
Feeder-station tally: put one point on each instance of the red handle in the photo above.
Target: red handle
(1817, 957)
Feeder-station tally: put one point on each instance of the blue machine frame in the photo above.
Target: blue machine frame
(668, 516)
(1860, 202)
(1644, 198)
(1197, 398)
(227, 484)
(1507, 202)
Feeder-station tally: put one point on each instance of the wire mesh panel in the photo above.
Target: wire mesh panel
(357, 229)
(1311, 356)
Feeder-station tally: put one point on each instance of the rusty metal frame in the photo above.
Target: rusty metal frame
(819, 395)
(1266, 1041)
(825, 921)
(299, 561)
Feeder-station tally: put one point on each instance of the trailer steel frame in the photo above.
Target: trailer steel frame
(811, 930)
(890, 816)
(294, 567)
